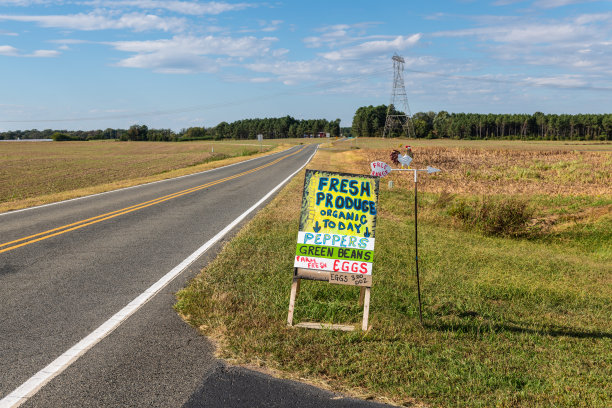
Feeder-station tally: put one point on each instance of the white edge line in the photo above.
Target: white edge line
(139, 185)
(38, 380)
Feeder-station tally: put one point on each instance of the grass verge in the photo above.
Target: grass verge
(508, 322)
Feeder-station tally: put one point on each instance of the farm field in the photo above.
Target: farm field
(516, 275)
(34, 173)
(378, 143)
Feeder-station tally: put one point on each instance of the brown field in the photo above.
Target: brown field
(494, 167)
(566, 188)
(480, 171)
(378, 143)
(34, 173)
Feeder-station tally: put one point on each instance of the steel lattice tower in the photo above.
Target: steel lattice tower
(398, 96)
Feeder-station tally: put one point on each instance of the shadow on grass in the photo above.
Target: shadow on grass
(481, 327)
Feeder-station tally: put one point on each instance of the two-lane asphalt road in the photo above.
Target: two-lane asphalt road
(87, 288)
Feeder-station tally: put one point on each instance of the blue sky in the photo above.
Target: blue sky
(94, 64)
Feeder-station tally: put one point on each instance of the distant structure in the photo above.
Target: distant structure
(398, 112)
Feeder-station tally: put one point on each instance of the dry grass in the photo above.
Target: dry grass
(568, 190)
(38, 173)
(378, 143)
(512, 171)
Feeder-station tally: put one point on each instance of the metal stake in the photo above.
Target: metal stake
(429, 170)
(416, 247)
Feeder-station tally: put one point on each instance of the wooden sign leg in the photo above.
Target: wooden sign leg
(294, 289)
(366, 309)
(361, 295)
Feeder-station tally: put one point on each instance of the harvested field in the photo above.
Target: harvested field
(39, 172)
(511, 171)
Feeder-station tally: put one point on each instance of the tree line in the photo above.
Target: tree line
(270, 128)
(369, 121)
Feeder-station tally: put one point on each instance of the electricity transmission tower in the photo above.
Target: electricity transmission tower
(398, 112)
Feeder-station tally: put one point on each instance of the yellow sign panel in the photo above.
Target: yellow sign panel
(337, 223)
(339, 204)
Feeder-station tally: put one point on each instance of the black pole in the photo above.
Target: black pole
(416, 247)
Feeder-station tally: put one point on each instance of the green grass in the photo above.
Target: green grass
(507, 322)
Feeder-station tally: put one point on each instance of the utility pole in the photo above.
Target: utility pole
(400, 115)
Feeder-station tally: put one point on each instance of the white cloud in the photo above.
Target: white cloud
(279, 52)
(293, 71)
(371, 48)
(69, 41)
(572, 43)
(259, 80)
(561, 81)
(11, 51)
(209, 45)
(99, 20)
(8, 50)
(182, 7)
(526, 33)
(24, 3)
(340, 35)
(593, 18)
(548, 4)
(271, 26)
(334, 76)
(507, 2)
(44, 54)
(542, 4)
(186, 54)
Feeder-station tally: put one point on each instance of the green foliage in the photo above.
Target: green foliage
(196, 133)
(369, 122)
(270, 128)
(62, 137)
(275, 128)
(248, 152)
(136, 133)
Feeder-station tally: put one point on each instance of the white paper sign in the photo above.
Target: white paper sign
(380, 169)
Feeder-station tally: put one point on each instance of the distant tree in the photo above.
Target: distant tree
(196, 133)
(62, 137)
(137, 132)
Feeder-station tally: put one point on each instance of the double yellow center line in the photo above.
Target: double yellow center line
(8, 246)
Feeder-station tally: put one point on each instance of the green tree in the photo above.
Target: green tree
(137, 132)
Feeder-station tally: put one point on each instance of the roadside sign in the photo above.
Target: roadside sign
(336, 236)
(379, 169)
(337, 224)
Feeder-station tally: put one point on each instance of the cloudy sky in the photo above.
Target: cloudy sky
(93, 64)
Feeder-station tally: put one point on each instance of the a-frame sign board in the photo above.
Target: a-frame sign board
(318, 275)
(336, 238)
